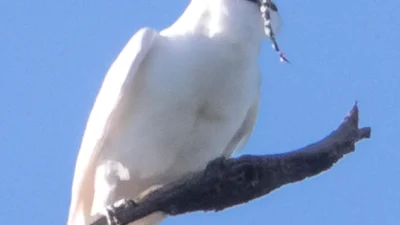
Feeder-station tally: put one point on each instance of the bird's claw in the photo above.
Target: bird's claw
(112, 210)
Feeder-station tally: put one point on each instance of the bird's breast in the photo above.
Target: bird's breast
(203, 68)
(193, 95)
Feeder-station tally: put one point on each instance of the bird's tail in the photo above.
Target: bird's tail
(77, 216)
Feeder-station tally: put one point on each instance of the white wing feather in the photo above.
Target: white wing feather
(103, 120)
(242, 135)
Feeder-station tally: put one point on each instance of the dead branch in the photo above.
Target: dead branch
(229, 182)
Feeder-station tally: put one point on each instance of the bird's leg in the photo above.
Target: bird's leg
(216, 166)
(115, 209)
(111, 215)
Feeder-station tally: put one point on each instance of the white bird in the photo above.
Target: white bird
(170, 103)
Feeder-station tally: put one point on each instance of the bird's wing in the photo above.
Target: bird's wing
(242, 135)
(103, 120)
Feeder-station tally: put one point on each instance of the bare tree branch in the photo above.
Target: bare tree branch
(228, 182)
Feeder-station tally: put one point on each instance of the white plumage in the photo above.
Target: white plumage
(170, 103)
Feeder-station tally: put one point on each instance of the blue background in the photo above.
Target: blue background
(54, 55)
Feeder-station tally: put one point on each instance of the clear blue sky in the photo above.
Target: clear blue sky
(54, 55)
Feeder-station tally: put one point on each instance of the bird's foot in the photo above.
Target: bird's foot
(113, 211)
(216, 167)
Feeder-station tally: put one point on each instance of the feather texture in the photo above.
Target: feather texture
(106, 109)
(170, 103)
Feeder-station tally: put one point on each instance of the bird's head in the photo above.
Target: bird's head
(239, 21)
